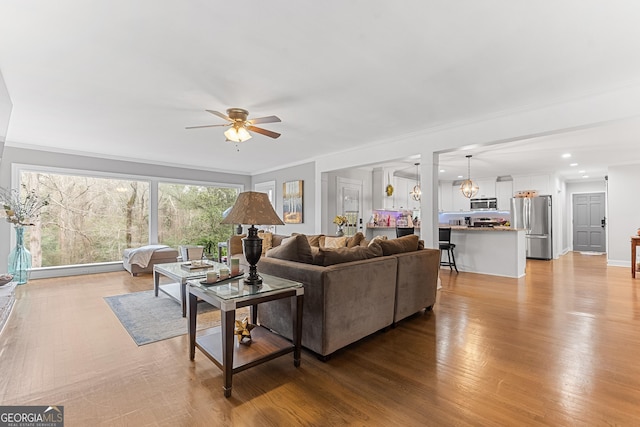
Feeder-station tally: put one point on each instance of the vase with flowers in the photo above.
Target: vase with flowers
(21, 212)
(340, 221)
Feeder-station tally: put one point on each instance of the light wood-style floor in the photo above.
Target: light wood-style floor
(559, 347)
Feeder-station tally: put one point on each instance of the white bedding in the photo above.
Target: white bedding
(142, 256)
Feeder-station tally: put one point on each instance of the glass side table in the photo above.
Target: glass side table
(177, 272)
(218, 343)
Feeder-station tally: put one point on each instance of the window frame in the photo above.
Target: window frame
(103, 267)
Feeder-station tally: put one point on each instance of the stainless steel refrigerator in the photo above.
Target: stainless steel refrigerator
(534, 216)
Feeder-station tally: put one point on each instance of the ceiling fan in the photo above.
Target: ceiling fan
(240, 125)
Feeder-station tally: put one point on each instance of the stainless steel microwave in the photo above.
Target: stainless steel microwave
(490, 203)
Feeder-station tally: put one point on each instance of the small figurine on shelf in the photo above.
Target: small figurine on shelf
(243, 331)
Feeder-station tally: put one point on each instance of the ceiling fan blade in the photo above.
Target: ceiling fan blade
(263, 131)
(219, 114)
(206, 126)
(269, 119)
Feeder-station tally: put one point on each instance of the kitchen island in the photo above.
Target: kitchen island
(499, 251)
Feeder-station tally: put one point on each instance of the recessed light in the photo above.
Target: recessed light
(585, 176)
(582, 171)
(442, 170)
(566, 155)
(460, 176)
(573, 164)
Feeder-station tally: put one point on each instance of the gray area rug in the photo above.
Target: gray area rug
(149, 319)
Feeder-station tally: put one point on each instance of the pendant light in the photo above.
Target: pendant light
(416, 193)
(468, 187)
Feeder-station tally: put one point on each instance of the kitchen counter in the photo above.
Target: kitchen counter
(496, 228)
(499, 251)
(389, 232)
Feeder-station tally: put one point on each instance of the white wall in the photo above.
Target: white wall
(5, 113)
(305, 172)
(624, 212)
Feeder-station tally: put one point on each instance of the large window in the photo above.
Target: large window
(88, 219)
(191, 214)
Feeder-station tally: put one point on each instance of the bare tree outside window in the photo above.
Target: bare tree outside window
(88, 219)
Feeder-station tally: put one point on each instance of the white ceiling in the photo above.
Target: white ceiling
(123, 78)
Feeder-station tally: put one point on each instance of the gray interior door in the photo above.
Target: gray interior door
(589, 230)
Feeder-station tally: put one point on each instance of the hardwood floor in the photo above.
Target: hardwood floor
(558, 347)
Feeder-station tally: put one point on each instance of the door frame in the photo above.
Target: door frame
(606, 215)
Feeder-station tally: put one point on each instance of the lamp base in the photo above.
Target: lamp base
(252, 248)
(253, 281)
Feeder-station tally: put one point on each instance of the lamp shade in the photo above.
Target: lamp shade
(252, 208)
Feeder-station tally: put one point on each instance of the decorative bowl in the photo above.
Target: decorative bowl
(5, 278)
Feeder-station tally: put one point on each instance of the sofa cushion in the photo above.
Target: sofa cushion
(400, 245)
(333, 242)
(314, 239)
(235, 244)
(266, 240)
(331, 256)
(276, 239)
(366, 242)
(355, 240)
(294, 248)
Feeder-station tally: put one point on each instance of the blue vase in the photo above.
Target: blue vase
(20, 259)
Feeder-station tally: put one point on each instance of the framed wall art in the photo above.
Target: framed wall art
(292, 199)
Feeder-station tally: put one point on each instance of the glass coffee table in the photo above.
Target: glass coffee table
(219, 343)
(177, 272)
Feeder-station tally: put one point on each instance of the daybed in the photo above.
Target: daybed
(142, 260)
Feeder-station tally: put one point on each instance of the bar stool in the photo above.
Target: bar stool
(446, 245)
(404, 231)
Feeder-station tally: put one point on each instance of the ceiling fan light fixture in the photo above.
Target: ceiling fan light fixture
(468, 187)
(237, 134)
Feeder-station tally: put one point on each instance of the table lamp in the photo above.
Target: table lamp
(252, 208)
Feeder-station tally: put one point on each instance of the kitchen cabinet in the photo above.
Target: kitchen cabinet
(445, 196)
(504, 193)
(403, 199)
(486, 188)
(539, 183)
(402, 194)
(460, 203)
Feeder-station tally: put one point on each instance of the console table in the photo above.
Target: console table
(635, 241)
(218, 343)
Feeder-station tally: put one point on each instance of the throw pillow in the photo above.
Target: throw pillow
(355, 240)
(400, 245)
(378, 239)
(276, 239)
(331, 256)
(266, 240)
(314, 239)
(294, 248)
(333, 242)
(235, 243)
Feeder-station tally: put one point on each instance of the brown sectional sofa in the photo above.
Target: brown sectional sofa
(347, 301)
